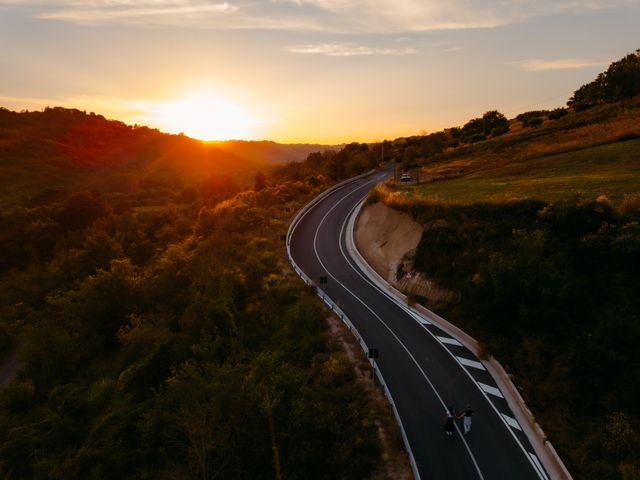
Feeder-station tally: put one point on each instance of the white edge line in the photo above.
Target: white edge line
(538, 465)
(294, 223)
(417, 316)
(416, 363)
(351, 221)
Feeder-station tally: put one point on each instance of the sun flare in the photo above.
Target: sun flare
(206, 117)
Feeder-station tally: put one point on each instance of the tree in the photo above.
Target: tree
(494, 123)
(588, 95)
(472, 129)
(620, 81)
(79, 211)
(259, 181)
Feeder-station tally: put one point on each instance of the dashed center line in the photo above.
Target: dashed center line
(450, 341)
(490, 390)
(511, 421)
(470, 363)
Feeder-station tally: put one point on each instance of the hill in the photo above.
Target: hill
(145, 297)
(59, 150)
(576, 155)
(271, 152)
(143, 288)
(531, 244)
(611, 170)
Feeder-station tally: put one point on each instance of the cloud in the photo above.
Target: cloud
(137, 11)
(538, 65)
(346, 50)
(396, 16)
(337, 16)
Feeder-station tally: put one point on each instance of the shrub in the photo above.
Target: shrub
(630, 204)
(557, 113)
(534, 122)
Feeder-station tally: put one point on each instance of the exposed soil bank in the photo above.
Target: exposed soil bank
(384, 236)
(387, 239)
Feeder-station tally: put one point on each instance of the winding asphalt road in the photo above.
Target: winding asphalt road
(424, 368)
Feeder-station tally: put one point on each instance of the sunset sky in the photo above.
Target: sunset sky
(327, 71)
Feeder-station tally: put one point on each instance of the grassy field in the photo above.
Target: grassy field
(612, 170)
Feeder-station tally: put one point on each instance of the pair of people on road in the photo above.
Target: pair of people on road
(449, 424)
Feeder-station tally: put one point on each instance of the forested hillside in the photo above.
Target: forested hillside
(45, 155)
(143, 286)
(608, 113)
(160, 333)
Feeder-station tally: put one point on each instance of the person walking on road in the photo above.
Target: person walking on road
(466, 423)
(449, 425)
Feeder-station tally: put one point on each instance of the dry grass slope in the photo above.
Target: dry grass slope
(581, 156)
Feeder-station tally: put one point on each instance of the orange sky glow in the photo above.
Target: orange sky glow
(310, 71)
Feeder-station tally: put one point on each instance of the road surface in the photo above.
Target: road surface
(424, 368)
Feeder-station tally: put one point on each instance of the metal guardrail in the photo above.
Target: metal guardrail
(345, 319)
(518, 406)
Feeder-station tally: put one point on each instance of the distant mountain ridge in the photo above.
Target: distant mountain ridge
(64, 148)
(267, 151)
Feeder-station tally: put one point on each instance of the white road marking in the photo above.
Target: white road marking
(415, 315)
(397, 302)
(470, 363)
(490, 390)
(538, 466)
(449, 341)
(512, 421)
(404, 347)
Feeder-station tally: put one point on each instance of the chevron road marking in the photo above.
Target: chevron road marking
(470, 363)
(490, 390)
(511, 421)
(449, 341)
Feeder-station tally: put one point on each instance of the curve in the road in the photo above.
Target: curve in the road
(446, 341)
(389, 329)
(422, 366)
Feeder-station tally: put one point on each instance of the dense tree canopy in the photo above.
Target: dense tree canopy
(161, 337)
(620, 81)
(551, 290)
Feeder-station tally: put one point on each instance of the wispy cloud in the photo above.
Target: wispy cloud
(363, 16)
(346, 50)
(537, 65)
(137, 11)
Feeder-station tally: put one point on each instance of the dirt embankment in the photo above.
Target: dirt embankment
(387, 239)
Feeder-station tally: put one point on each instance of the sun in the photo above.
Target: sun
(206, 117)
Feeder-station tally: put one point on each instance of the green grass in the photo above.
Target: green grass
(612, 170)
